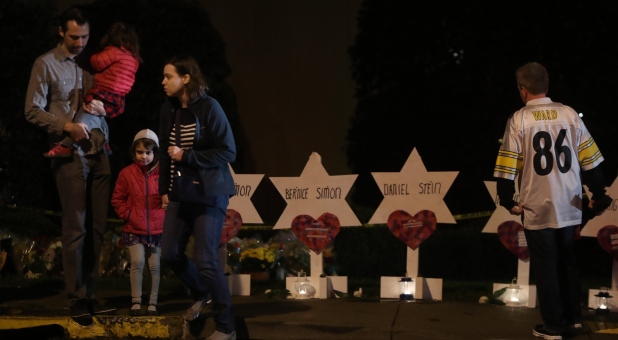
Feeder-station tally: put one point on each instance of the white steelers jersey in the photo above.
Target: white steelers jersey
(547, 145)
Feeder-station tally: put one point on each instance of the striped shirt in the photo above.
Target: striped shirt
(187, 136)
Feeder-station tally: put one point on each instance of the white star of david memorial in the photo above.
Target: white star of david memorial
(315, 193)
(414, 189)
(609, 216)
(591, 229)
(240, 284)
(499, 215)
(241, 202)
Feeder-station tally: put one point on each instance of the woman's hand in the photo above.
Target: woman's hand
(175, 153)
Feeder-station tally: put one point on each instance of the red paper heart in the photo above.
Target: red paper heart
(412, 230)
(316, 234)
(511, 235)
(231, 226)
(608, 239)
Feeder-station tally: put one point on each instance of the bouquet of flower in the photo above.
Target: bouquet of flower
(257, 259)
(114, 258)
(293, 255)
(40, 257)
(234, 248)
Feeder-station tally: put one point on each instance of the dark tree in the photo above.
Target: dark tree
(24, 172)
(440, 78)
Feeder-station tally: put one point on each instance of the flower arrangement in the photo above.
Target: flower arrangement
(114, 256)
(293, 255)
(257, 259)
(41, 257)
(233, 255)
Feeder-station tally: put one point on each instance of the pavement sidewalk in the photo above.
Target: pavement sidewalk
(40, 314)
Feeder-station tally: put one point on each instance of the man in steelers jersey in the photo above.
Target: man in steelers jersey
(548, 147)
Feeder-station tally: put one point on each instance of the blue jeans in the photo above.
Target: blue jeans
(202, 275)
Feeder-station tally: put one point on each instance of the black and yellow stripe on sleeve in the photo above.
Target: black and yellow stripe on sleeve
(588, 152)
(508, 162)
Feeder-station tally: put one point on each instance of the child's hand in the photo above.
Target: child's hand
(165, 200)
(96, 107)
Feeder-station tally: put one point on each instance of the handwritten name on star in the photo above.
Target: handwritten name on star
(413, 189)
(334, 193)
(315, 193)
(401, 189)
(243, 190)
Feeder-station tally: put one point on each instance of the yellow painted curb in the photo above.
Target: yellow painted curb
(154, 327)
(603, 327)
(17, 322)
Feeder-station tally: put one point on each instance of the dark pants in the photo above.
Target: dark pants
(202, 275)
(552, 258)
(84, 188)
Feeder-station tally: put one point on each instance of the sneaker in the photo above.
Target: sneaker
(80, 313)
(576, 329)
(541, 332)
(79, 308)
(222, 336)
(97, 308)
(576, 326)
(59, 151)
(194, 311)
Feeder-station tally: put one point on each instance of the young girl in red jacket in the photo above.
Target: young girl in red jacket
(136, 200)
(116, 65)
